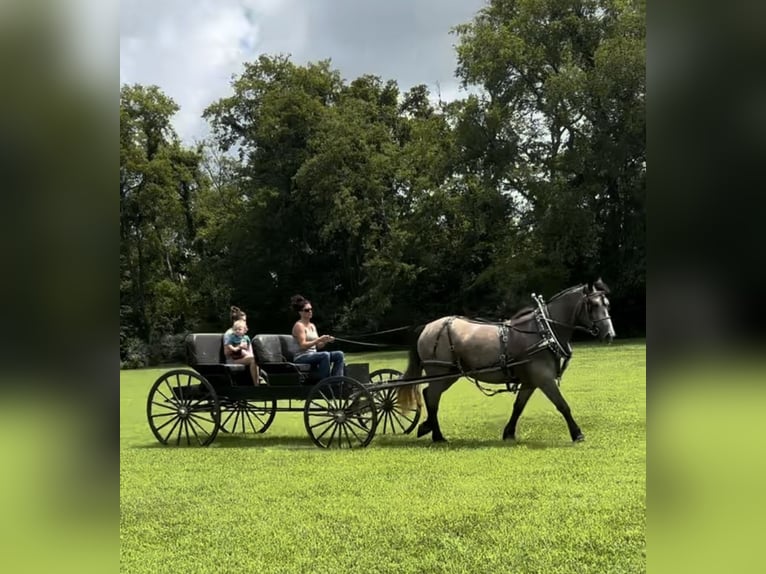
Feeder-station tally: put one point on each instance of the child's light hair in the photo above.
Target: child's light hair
(239, 323)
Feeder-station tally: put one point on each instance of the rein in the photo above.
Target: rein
(372, 334)
(382, 345)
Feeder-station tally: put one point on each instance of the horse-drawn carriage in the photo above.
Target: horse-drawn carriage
(192, 405)
(527, 352)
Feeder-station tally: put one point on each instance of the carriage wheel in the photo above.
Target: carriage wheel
(392, 417)
(247, 415)
(183, 408)
(340, 412)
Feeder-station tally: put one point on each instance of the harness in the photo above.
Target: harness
(505, 363)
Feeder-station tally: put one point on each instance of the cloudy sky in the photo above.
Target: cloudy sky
(192, 48)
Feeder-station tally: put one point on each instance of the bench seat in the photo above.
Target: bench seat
(274, 353)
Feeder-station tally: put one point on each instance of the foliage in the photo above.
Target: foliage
(386, 207)
(560, 127)
(276, 503)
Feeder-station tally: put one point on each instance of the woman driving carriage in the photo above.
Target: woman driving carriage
(309, 341)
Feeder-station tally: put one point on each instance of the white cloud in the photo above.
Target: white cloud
(192, 48)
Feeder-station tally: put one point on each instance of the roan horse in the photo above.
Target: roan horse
(529, 351)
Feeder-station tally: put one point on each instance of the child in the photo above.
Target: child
(239, 350)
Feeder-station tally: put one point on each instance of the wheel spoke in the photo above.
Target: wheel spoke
(348, 438)
(192, 424)
(398, 421)
(166, 423)
(194, 403)
(180, 389)
(228, 418)
(172, 408)
(170, 399)
(172, 429)
(332, 435)
(189, 389)
(250, 422)
(332, 426)
(386, 420)
(173, 395)
(356, 436)
(358, 424)
(327, 421)
(246, 416)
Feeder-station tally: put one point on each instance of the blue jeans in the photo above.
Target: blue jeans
(323, 360)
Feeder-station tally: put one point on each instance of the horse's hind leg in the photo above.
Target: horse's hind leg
(509, 432)
(432, 395)
(552, 391)
(425, 427)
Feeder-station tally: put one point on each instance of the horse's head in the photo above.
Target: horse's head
(594, 314)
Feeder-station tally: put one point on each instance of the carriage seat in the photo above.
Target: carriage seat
(276, 349)
(276, 355)
(204, 352)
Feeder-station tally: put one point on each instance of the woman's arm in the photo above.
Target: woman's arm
(299, 332)
(323, 340)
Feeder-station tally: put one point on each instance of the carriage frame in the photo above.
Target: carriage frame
(191, 405)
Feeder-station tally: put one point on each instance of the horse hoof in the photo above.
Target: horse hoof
(509, 437)
(579, 438)
(440, 439)
(423, 430)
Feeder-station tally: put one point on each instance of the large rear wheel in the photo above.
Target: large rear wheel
(183, 407)
(392, 417)
(340, 413)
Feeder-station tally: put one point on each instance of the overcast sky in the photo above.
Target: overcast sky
(192, 48)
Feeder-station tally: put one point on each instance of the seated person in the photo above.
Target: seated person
(309, 342)
(238, 349)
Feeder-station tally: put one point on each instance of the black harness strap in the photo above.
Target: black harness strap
(548, 338)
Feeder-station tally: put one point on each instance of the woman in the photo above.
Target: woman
(309, 341)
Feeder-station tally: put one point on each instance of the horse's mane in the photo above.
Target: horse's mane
(598, 285)
(522, 311)
(566, 291)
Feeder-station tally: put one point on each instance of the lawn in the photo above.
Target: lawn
(276, 503)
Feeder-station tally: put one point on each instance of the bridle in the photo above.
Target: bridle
(587, 298)
(593, 330)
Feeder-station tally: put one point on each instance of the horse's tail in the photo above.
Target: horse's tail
(409, 396)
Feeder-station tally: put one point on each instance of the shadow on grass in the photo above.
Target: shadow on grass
(386, 442)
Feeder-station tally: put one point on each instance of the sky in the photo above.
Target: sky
(192, 48)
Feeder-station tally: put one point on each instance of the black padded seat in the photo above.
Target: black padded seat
(204, 353)
(271, 349)
(275, 355)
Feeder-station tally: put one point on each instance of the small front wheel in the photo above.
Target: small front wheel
(393, 418)
(340, 413)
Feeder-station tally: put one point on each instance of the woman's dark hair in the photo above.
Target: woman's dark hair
(298, 302)
(237, 313)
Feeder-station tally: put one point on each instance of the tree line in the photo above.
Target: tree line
(388, 207)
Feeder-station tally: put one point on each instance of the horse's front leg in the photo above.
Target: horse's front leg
(509, 432)
(553, 393)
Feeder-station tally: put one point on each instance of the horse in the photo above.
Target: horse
(529, 351)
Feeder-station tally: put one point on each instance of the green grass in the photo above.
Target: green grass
(276, 503)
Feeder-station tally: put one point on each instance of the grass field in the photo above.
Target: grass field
(276, 503)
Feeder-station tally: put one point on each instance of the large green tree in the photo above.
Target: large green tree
(159, 183)
(559, 126)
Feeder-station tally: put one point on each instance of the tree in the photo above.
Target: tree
(159, 181)
(559, 126)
